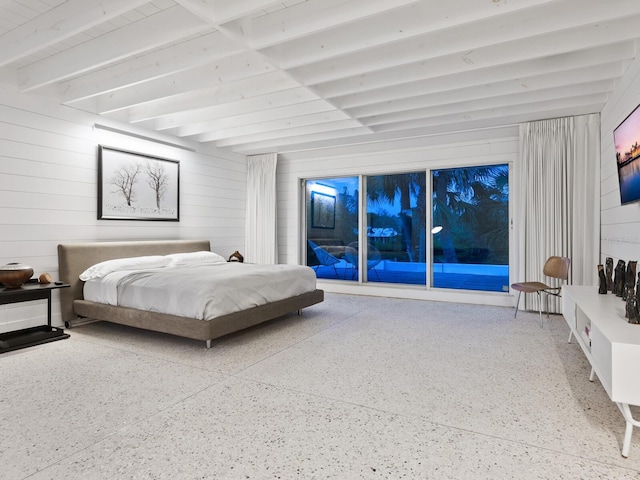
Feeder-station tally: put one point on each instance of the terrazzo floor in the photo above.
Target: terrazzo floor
(355, 388)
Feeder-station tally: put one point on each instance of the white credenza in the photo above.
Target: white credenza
(610, 343)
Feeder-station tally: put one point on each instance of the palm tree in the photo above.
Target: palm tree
(471, 200)
(385, 188)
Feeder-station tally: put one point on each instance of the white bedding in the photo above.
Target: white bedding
(203, 291)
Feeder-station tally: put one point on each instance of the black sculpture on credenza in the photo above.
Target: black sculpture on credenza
(624, 285)
(602, 288)
(629, 280)
(632, 309)
(618, 279)
(609, 273)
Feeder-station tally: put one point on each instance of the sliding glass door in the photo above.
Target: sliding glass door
(332, 211)
(374, 228)
(470, 247)
(396, 225)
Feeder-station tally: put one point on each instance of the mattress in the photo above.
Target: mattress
(203, 291)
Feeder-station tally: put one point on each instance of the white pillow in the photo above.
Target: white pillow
(195, 258)
(101, 269)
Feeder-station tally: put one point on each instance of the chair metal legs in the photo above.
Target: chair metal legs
(539, 306)
(517, 304)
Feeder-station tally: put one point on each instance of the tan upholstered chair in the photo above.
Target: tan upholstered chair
(554, 267)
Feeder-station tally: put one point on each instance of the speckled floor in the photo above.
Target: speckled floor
(356, 388)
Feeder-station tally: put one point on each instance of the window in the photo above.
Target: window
(471, 228)
(332, 224)
(396, 224)
(465, 247)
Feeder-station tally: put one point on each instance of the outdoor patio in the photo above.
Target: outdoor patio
(492, 278)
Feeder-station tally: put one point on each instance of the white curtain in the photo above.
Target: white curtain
(261, 244)
(559, 200)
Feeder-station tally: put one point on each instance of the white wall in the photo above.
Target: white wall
(48, 191)
(620, 225)
(491, 146)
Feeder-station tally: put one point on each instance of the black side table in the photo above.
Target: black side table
(28, 337)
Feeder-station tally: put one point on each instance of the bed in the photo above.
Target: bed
(76, 258)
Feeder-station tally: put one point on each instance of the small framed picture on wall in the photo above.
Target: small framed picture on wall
(323, 210)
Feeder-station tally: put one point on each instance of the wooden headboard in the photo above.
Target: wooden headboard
(75, 258)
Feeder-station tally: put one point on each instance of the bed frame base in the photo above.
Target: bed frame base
(193, 328)
(73, 259)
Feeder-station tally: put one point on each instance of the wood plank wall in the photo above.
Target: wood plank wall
(619, 225)
(48, 191)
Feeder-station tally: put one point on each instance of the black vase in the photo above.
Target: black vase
(618, 279)
(609, 272)
(602, 289)
(631, 309)
(629, 279)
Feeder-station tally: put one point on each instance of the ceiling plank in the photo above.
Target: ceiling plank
(252, 118)
(412, 138)
(395, 25)
(557, 43)
(552, 17)
(225, 70)
(294, 96)
(273, 145)
(306, 18)
(162, 28)
(596, 100)
(173, 59)
(489, 102)
(321, 150)
(359, 140)
(295, 131)
(222, 130)
(487, 90)
(58, 24)
(217, 95)
(561, 64)
(216, 12)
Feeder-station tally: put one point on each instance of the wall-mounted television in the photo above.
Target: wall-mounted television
(626, 138)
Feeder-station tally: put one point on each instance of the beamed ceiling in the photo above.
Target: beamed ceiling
(257, 76)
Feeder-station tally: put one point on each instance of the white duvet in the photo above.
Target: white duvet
(203, 291)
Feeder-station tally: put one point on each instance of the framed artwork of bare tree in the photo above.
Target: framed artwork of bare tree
(135, 186)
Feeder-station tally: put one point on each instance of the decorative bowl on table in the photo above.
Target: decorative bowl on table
(14, 275)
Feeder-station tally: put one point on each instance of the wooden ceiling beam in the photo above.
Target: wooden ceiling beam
(306, 18)
(393, 26)
(295, 96)
(222, 129)
(602, 87)
(160, 29)
(266, 115)
(211, 96)
(217, 12)
(58, 24)
(225, 70)
(549, 19)
(530, 48)
(617, 53)
(487, 90)
(177, 58)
